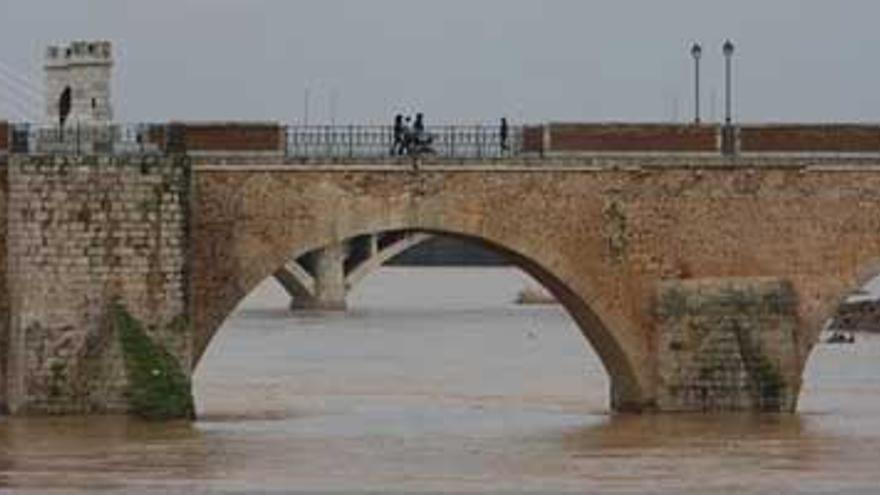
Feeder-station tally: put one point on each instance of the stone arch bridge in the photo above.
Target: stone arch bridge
(701, 281)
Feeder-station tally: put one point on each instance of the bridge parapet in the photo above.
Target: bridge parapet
(583, 144)
(208, 138)
(816, 138)
(451, 142)
(627, 138)
(622, 138)
(80, 139)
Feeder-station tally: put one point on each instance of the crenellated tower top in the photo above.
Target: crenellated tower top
(83, 69)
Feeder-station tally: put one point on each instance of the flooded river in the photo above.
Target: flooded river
(434, 381)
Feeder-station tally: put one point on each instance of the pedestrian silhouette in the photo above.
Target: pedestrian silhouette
(503, 134)
(407, 135)
(399, 131)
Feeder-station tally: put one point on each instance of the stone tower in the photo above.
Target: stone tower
(86, 68)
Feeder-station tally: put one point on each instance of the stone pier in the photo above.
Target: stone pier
(727, 345)
(98, 285)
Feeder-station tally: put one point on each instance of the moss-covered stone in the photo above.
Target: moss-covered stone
(771, 385)
(730, 339)
(616, 230)
(56, 379)
(157, 386)
(672, 305)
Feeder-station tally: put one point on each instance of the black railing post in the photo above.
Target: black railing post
(451, 136)
(327, 143)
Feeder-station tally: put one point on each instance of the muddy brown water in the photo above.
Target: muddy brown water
(435, 382)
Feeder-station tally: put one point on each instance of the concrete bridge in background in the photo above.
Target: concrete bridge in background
(701, 278)
(321, 279)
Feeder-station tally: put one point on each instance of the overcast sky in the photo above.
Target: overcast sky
(461, 60)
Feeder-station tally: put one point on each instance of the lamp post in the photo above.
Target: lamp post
(728, 49)
(696, 53)
(729, 143)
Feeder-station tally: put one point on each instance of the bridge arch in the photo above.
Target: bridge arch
(627, 393)
(247, 222)
(245, 228)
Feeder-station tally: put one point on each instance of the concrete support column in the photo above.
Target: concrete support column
(374, 245)
(299, 285)
(330, 278)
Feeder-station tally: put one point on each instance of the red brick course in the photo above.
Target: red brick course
(633, 137)
(234, 137)
(4, 135)
(850, 138)
(533, 139)
(156, 135)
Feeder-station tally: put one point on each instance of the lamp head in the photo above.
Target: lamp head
(728, 48)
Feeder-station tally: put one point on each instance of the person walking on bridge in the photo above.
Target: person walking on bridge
(398, 147)
(419, 125)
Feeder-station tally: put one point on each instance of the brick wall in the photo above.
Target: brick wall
(156, 134)
(83, 231)
(4, 292)
(533, 139)
(4, 135)
(633, 137)
(233, 137)
(810, 138)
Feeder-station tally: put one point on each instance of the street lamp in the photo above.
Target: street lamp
(729, 139)
(696, 53)
(728, 49)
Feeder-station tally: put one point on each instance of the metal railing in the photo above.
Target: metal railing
(472, 142)
(83, 139)
(374, 141)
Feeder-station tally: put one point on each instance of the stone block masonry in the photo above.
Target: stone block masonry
(751, 256)
(85, 234)
(85, 70)
(727, 344)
